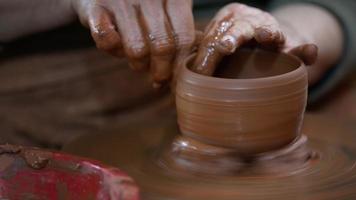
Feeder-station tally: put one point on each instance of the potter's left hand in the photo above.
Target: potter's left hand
(235, 25)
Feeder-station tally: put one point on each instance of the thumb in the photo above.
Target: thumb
(308, 53)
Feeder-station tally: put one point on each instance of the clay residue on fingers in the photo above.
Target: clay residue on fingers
(213, 48)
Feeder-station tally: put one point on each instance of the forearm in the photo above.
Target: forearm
(22, 17)
(316, 25)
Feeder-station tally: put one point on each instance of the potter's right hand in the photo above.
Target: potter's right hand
(237, 24)
(151, 34)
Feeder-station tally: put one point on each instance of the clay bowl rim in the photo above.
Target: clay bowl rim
(246, 83)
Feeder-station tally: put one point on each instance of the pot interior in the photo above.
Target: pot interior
(254, 63)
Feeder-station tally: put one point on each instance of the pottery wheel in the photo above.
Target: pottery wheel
(135, 148)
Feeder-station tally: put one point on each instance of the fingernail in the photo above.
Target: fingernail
(228, 44)
(310, 52)
(161, 69)
(310, 49)
(264, 35)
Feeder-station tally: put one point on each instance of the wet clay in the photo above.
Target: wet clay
(238, 136)
(35, 158)
(254, 105)
(204, 160)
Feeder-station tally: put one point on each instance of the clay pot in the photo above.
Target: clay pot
(254, 104)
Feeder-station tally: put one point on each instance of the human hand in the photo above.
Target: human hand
(237, 24)
(153, 34)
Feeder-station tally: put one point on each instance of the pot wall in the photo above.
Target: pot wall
(251, 115)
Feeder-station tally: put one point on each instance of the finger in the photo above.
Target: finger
(269, 36)
(237, 24)
(208, 55)
(134, 42)
(161, 40)
(220, 23)
(181, 18)
(266, 29)
(225, 13)
(199, 35)
(103, 32)
(227, 31)
(308, 53)
(237, 35)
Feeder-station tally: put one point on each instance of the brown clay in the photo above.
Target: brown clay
(257, 107)
(169, 163)
(260, 108)
(137, 148)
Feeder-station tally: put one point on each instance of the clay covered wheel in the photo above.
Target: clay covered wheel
(192, 160)
(136, 147)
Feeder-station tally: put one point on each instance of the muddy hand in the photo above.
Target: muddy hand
(151, 34)
(235, 25)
